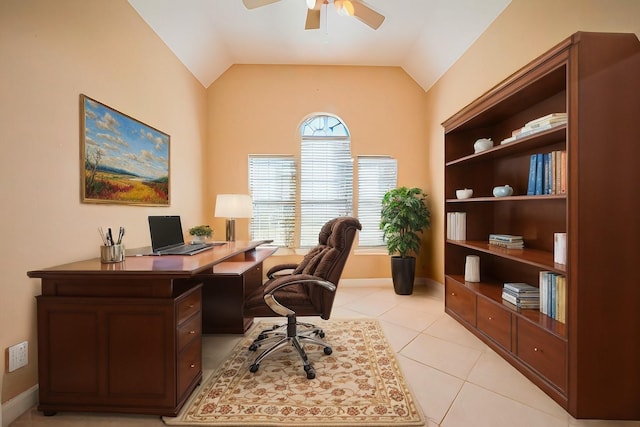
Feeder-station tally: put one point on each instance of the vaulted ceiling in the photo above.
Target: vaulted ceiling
(424, 37)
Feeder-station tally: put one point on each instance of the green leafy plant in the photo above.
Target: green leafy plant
(201, 230)
(404, 215)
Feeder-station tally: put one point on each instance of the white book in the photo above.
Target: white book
(560, 248)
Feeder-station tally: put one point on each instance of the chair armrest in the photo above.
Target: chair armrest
(294, 279)
(280, 267)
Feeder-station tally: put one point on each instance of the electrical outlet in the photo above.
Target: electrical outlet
(18, 355)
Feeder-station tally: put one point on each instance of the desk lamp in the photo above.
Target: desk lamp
(232, 206)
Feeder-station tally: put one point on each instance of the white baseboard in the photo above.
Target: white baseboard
(13, 408)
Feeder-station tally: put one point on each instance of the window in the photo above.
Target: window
(272, 183)
(293, 200)
(326, 175)
(376, 176)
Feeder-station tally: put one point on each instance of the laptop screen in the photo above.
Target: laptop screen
(165, 231)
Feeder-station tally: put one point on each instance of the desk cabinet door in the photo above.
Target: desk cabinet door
(116, 350)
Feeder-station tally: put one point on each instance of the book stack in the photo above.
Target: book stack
(538, 125)
(456, 225)
(521, 295)
(507, 241)
(553, 295)
(548, 173)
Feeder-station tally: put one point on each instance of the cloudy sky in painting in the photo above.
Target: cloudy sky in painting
(125, 143)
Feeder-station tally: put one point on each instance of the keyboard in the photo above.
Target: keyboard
(185, 249)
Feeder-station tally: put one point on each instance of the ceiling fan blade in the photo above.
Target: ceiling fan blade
(313, 19)
(252, 4)
(367, 15)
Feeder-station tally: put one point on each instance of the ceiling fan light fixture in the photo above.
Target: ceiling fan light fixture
(344, 7)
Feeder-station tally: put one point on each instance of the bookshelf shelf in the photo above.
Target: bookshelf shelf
(534, 257)
(588, 364)
(492, 199)
(524, 144)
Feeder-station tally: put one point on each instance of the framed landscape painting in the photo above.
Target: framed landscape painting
(122, 160)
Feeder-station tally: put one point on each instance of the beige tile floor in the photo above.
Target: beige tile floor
(457, 380)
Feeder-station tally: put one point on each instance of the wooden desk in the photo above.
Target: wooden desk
(126, 337)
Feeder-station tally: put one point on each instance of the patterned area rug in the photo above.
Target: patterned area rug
(360, 383)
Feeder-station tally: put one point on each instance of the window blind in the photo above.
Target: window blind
(272, 182)
(376, 176)
(326, 184)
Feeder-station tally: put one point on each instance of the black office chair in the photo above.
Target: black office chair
(307, 289)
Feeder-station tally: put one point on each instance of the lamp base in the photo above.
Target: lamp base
(230, 230)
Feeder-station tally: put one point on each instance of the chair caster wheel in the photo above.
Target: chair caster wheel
(311, 374)
(328, 350)
(253, 347)
(254, 367)
(260, 337)
(321, 334)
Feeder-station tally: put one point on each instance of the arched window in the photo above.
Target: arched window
(326, 174)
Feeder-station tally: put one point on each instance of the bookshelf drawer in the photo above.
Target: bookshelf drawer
(544, 352)
(495, 321)
(460, 300)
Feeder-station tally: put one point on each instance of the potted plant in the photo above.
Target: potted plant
(404, 216)
(200, 232)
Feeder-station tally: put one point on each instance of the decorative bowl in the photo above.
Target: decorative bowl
(464, 194)
(482, 144)
(502, 191)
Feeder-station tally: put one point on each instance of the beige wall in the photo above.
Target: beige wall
(258, 109)
(522, 32)
(50, 52)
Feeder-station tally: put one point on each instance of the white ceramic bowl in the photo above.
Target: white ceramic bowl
(482, 144)
(464, 194)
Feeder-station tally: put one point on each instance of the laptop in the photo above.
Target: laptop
(167, 237)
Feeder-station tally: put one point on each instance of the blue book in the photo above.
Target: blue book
(531, 188)
(554, 296)
(548, 174)
(539, 174)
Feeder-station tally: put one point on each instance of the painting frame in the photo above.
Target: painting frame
(122, 160)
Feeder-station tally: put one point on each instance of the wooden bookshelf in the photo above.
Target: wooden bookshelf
(589, 364)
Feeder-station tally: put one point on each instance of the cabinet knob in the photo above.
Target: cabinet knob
(191, 305)
(536, 349)
(453, 294)
(490, 318)
(193, 365)
(192, 332)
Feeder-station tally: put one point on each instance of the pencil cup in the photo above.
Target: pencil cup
(472, 269)
(111, 254)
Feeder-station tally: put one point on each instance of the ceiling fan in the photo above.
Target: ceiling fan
(355, 8)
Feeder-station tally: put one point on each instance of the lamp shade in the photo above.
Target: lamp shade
(233, 206)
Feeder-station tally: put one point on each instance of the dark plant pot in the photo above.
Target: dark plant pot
(403, 272)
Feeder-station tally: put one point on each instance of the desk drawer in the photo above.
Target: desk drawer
(189, 365)
(189, 330)
(543, 351)
(189, 305)
(461, 300)
(495, 321)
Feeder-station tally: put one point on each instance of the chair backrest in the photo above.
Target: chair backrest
(327, 260)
